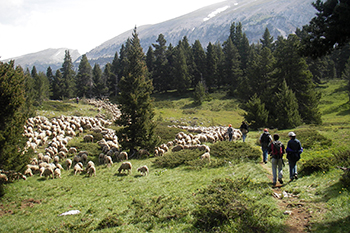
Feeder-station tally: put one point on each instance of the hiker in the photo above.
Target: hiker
(265, 139)
(244, 130)
(276, 150)
(230, 132)
(293, 150)
(77, 100)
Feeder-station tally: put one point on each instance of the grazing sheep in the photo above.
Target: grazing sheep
(46, 171)
(88, 138)
(125, 166)
(78, 168)
(101, 158)
(68, 163)
(72, 150)
(91, 171)
(33, 168)
(57, 172)
(46, 159)
(122, 156)
(143, 170)
(56, 159)
(108, 160)
(3, 177)
(206, 155)
(59, 166)
(83, 158)
(143, 152)
(28, 172)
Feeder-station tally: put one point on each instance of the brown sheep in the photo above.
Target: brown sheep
(122, 156)
(143, 170)
(125, 166)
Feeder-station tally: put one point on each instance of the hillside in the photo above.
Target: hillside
(181, 191)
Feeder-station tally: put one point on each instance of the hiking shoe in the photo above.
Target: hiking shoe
(280, 180)
(296, 177)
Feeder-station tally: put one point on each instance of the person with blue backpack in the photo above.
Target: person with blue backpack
(265, 139)
(276, 151)
(294, 149)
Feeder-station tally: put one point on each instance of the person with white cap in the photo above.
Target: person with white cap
(265, 139)
(294, 149)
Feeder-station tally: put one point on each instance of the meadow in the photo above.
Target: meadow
(232, 193)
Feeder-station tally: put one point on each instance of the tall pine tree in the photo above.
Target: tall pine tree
(135, 102)
(84, 78)
(68, 77)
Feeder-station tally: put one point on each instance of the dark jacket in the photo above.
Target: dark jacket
(294, 149)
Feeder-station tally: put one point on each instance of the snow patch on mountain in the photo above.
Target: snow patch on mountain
(216, 12)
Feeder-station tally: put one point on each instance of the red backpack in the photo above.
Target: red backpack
(277, 150)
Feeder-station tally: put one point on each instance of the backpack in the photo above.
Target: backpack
(277, 151)
(265, 138)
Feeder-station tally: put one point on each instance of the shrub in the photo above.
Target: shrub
(315, 165)
(236, 151)
(176, 159)
(222, 207)
(110, 221)
(343, 160)
(311, 138)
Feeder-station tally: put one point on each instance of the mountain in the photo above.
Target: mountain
(45, 58)
(212, 24)
(208, 24)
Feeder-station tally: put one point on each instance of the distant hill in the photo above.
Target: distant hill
(208, 24)
(45, 58)
(212, 24)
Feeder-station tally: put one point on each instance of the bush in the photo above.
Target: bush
(236, 151)
(315, 165)
(175, 159)
(110, 221)
(222, 207)
(343, 160)
(311, 138)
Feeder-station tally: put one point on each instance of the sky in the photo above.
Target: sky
(29, 26)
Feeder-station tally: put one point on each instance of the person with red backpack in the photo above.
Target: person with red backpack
(276, 151)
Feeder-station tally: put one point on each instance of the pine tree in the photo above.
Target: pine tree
(212, 67)
(182, 77)
(346, 76)
(232, 70)
(285, 109)
(199, 93)
(13, 114)
(84, 78)
(267, 40)
(68, 77)
(111, 80)
(199, 62)
(51, 78)
(57, 86)
(150, 59)
(159, 75)
(256, 113)
(100, 88)
(115, 79)
(135, 102)
(293, 68)
(42, 88)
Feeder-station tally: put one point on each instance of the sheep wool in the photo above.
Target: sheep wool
(125, 166)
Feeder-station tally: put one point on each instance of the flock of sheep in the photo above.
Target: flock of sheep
(57, 132)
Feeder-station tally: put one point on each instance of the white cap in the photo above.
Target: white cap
(291, 134)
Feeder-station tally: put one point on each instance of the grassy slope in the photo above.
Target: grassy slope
(110, 193)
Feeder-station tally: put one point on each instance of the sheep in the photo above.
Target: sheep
(206, 155)
(125, 166)
(143, 170)
(57, 172)
(59, 166)
(143, 152)
(46, 171)
(33, 168)
(122, 156)
(28, 172)
(78, 168)
(108, 160)
(83, 158)
(101, 158)
(34, 161)
(56, 159)
(76, 159)
(46, 159)
(91, 170)
(177, 148)
(72, 150)
(68, 163)
(88, 138)
(3, 177)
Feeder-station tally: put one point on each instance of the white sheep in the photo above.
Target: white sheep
(143, 170)
(91, 171)
(57, 172)
(3, 177)
(78, 168)
(125, 166)
(72, 150)
(122, 156)
(88, 138)
(28, 172)
(206, 155)
(68, 163)
(108, 160)
(46, 171)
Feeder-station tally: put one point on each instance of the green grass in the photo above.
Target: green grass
(176, 198)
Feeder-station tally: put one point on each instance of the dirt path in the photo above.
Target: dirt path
(297, 209)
